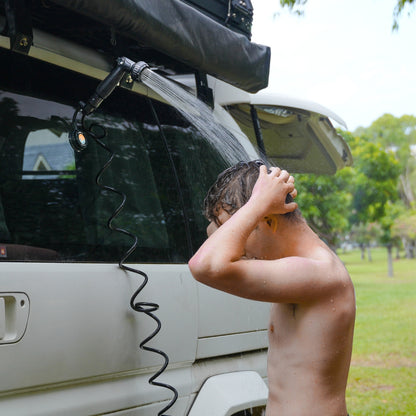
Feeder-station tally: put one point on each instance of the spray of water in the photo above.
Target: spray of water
(198, 114)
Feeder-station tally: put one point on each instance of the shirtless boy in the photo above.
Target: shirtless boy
(261, 248)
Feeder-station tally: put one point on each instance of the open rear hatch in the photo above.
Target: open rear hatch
(294, 134)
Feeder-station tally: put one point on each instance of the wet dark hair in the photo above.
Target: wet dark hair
(233, 188)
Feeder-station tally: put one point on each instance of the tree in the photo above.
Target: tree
(404, 227)
(388, 237)
(364, 234)
(375, 189)
(296, 6)
(375, 179)
(399, 136)
(354, 195)
(326, 202)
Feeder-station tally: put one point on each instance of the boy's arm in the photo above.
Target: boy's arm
(219, 263)
(227, 243)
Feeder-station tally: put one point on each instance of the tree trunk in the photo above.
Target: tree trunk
(412, 244)
(397, 253)
(407, 248)
(390, 260)
(362, 247)
(406, 186)
(370, 258)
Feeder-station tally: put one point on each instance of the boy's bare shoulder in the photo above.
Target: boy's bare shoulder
(332, 271)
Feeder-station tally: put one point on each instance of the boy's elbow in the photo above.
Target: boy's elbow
(203, 271)
(199, 270)
(194, 267)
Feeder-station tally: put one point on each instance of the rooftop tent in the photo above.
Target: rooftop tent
(184, 33)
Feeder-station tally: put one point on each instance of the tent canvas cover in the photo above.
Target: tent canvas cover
(182, 32)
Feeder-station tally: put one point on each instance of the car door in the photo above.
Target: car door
(69, 340)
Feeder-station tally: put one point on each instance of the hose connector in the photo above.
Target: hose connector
(108, 84)
(137, 69)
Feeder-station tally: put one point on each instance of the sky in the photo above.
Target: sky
(343, 55)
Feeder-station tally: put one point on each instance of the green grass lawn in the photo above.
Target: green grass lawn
(382, 377)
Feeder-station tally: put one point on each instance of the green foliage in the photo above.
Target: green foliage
(401, 4)
(380, 176)
(375, 180)
(353, 196)
(363, 199)
(405, 226)
(69, 168)
(291, 5)
(366, 233)
(393, 210)
(398, 9)
(325, 202)
(396, 135)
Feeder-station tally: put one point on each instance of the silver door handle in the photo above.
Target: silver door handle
(14, 315)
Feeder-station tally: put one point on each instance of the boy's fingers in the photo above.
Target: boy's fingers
(294, 192)
(290, 187)
(291, 206)
(263, 170)
(284, 174)
(275, 171)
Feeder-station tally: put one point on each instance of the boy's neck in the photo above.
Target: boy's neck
(294, 238)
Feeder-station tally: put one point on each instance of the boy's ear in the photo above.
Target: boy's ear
(271, 221)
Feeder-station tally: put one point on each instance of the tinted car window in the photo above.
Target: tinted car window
(51, 207)
(198, 165)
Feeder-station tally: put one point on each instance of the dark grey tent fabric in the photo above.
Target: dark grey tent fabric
(185, 34)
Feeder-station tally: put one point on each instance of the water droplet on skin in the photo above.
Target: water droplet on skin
(332, 300)
(333, 309)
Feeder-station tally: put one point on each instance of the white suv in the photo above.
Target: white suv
(69, 340)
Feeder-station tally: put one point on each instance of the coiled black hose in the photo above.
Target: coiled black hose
(97, 133)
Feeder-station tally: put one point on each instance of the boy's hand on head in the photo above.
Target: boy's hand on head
(271, 189)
